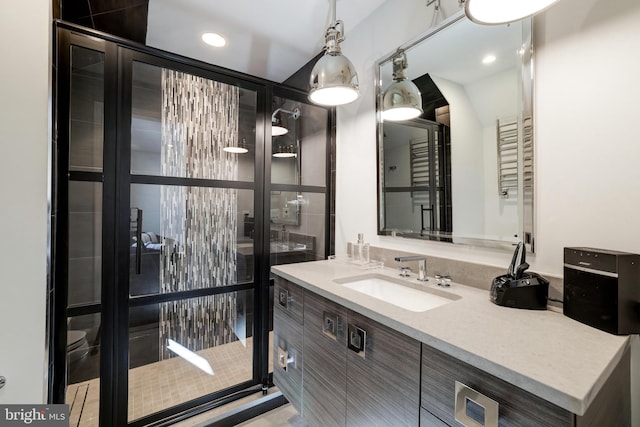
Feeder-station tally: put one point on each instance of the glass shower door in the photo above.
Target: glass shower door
(84, 193)
(191, 238)
(166, 223)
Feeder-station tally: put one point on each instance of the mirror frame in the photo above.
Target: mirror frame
(526, 124)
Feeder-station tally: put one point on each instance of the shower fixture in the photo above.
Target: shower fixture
(277, 126)
(402, 99)
(333, 78)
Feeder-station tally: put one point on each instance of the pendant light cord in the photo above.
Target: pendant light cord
(333, 12)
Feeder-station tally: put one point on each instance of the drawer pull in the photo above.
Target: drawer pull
(283, 298)
(357, 340)
(284, 359)
(467, 399)
(330, 325)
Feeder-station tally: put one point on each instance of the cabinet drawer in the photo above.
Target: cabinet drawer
(288, 298)
(427, 419)
(324, 393)
(516, 406)
(287, 358)
(383, 381)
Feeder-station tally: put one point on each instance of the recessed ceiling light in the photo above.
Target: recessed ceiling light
(214, 39)
(488, 59)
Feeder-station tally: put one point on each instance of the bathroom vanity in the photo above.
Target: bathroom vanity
(348, 352)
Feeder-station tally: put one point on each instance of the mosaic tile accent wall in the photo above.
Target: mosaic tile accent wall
(198, 323)
(199, 118)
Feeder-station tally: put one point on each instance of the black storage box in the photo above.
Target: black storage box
(529, 292)
(602, 289)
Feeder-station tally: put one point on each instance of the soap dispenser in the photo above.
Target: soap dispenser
(361, 251)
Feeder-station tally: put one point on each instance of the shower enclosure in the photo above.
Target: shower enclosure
(171, 203)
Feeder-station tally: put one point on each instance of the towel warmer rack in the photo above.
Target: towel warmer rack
(507, 132)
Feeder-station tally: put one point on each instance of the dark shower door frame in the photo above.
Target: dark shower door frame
(116, 179)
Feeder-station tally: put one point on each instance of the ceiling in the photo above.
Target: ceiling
(271, 39)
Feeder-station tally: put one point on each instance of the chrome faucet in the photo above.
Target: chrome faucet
(422, 266)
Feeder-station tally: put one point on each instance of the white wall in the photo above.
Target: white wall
(496, 97)
(24, 140)
(586, 95)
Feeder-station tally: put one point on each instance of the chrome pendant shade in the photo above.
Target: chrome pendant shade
(402, 99)
(333, 79)
(494, 12)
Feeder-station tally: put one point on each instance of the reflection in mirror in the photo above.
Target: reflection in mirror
(286, 120)
(417, 186)
(462, 171)
(285, 207)
(297, 203)
(149, 154)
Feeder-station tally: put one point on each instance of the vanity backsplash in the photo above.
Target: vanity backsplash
(467, 273)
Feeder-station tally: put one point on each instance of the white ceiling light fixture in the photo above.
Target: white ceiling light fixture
(214, 39)
(489, 59)
(402, 99)
(494, 12)
(277, 126)
(333, 79)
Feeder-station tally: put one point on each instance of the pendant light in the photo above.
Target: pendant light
(277, 126)
(333, 79)
(402, 99)
(493, 12)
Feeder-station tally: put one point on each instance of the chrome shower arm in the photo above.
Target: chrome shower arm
(295, 113)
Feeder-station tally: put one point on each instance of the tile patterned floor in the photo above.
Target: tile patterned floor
(83, 403)
(167, 383)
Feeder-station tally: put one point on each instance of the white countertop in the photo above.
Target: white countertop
(540, 351)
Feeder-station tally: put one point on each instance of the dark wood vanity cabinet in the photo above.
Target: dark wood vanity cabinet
(372, 379)
(325, 346)
(288, 340)
(383, 382)
(358, 372)
(516, 407)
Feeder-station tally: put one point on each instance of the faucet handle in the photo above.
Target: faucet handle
(444, 281)
(404, 270)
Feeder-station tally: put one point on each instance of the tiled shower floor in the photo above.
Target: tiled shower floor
(164, 384)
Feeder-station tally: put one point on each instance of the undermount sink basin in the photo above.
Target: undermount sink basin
(398, 292)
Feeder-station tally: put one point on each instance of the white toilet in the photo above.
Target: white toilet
(77, 345)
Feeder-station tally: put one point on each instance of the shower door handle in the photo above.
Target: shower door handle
(285, 358)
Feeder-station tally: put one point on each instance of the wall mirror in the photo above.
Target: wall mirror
(462, 172)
